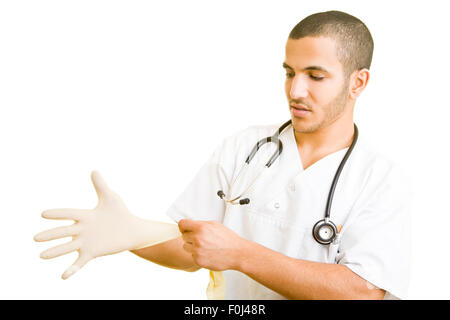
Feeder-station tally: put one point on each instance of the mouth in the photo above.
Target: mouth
(299, 106)
(299, 110)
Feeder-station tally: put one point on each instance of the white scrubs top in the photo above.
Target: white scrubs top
(371, 202)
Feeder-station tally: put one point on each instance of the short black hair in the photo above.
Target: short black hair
(354, 41)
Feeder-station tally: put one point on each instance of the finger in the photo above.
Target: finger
(64, 214)
(188, 237)
(188, 247)
(60, 250)
(78, 264)
(57, 233)
(99, 184)
(186, 225)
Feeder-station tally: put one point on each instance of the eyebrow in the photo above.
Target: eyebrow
(316, 68)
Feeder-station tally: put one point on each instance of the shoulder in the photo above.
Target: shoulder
(235, 147)
(380, 174)
(379, 162)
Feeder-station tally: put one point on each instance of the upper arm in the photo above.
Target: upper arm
(376, 244)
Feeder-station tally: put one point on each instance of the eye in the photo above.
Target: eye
(290, 75)
(315, 78)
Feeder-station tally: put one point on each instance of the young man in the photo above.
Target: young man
(269, 246)
(266, 248)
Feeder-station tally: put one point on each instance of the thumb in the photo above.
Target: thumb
(99, 184)
(186, 225)
(78, 264)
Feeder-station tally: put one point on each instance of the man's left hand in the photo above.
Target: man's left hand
(212, 245)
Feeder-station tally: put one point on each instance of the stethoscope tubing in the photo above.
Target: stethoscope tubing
(338, 172)
(322, 225)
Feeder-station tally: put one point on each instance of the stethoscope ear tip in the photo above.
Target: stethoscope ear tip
(220, 194)
(244, 201)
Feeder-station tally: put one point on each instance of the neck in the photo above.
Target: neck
(330, 138)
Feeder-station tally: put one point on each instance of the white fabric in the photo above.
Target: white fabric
(371, 202)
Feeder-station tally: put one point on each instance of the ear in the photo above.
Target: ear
(358, 82)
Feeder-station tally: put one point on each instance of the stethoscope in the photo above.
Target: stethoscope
(324, 231)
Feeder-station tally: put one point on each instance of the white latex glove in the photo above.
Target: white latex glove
(216, 286)
(109, 228)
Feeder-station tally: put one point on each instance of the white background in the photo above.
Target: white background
(144, 92)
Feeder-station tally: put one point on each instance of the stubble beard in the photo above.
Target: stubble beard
(333, 111)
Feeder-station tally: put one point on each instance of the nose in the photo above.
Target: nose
(299, 88)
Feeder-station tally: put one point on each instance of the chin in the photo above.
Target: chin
(304, 126)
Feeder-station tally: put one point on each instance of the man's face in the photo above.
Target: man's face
(314, 81)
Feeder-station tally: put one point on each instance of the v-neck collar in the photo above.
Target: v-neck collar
(292, 149)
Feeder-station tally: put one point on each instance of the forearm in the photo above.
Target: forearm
(168, 254)
(301, 279)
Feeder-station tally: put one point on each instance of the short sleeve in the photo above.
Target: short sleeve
(199, 200)
(376, 244)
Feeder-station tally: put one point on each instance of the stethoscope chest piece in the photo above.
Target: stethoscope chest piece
(324, 231)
